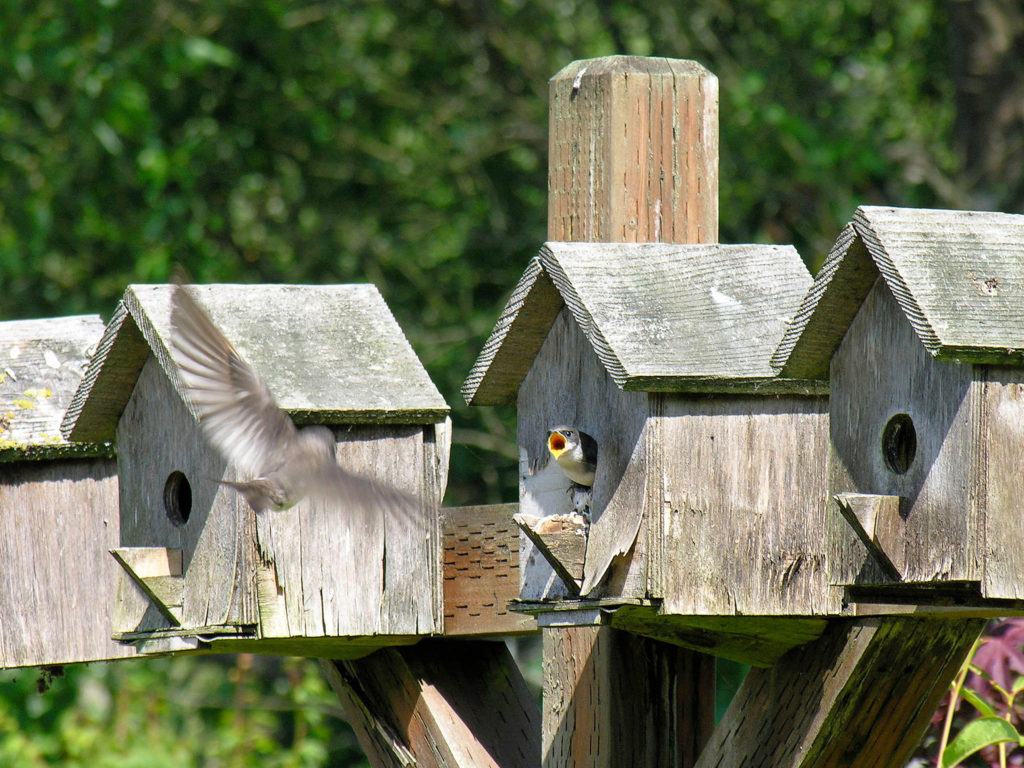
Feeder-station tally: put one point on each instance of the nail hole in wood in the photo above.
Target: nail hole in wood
(177, 498)
(899, 443)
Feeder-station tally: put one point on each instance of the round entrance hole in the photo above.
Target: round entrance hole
(899, 443)
(177, 498)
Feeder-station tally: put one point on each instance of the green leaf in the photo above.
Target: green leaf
(977, 735)
(980, 704)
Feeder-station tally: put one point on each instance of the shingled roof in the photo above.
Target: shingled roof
(958, 276)
(330, 354)
(660, 317)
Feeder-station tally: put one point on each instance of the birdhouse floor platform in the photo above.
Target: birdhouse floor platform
(235, 639)
(762, 640)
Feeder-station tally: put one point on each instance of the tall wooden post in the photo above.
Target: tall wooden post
(633, 158)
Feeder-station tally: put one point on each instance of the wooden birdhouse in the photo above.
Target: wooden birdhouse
(57, 503)
(201, 568)
(917, 321)
(709, 496)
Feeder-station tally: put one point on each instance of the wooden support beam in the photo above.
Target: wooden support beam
(618, 699)
(633, 153)
(457, 704)
(861, 697)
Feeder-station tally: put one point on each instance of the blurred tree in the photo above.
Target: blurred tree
(405, 144)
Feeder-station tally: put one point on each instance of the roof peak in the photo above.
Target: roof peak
(958, 277)
(659, 316)
(328, 353)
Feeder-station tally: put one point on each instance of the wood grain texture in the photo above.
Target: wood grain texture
(633, 157)
(156, 436)
(57, 583)
(827, 310)
(568, 385)
(41, 365)
(619, 699)
(101, 396)
(745, 505)
(440, 703)
(329, 354)
(878, 523)
(998, 462)
(327, 572)
(633, 151)
(958, 276)
(859, 697)
(880, 370)
(650, 309)
(313, 571)
(517, 337)
(481, 571)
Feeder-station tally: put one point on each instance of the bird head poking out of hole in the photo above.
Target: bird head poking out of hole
(575, 452)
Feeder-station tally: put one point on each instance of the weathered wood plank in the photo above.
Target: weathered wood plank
(957, 275)
(563, 543)
(568, 385)
(745, 507)
(440, 703)
(619, 699)
(157, 436)
(827, 310)
(157, 572)
(869, 389)
(648, 309)
(57, 583)
(517, 337)
(335, 573)
(104, 390)
(481, 571)
(860, 697)
(329, 354)
(633, 157)
(999, 463)
(877, 521)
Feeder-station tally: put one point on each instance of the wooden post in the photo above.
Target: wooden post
(633, 158)
(861, 696)
(457, 704)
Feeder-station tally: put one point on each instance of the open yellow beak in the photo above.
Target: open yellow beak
(556, 443)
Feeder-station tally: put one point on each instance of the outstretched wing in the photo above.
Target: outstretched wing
(236, 410)
(362, 496)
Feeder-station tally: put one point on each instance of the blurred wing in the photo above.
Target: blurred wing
(236, 410)
(361, 495)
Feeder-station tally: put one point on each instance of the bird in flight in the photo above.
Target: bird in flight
(240, 418)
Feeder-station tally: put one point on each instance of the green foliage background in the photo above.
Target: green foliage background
(403, 144)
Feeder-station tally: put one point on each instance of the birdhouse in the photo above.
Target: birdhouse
(709, 495)
(917, 321)
(201, 566)
(57, 503)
